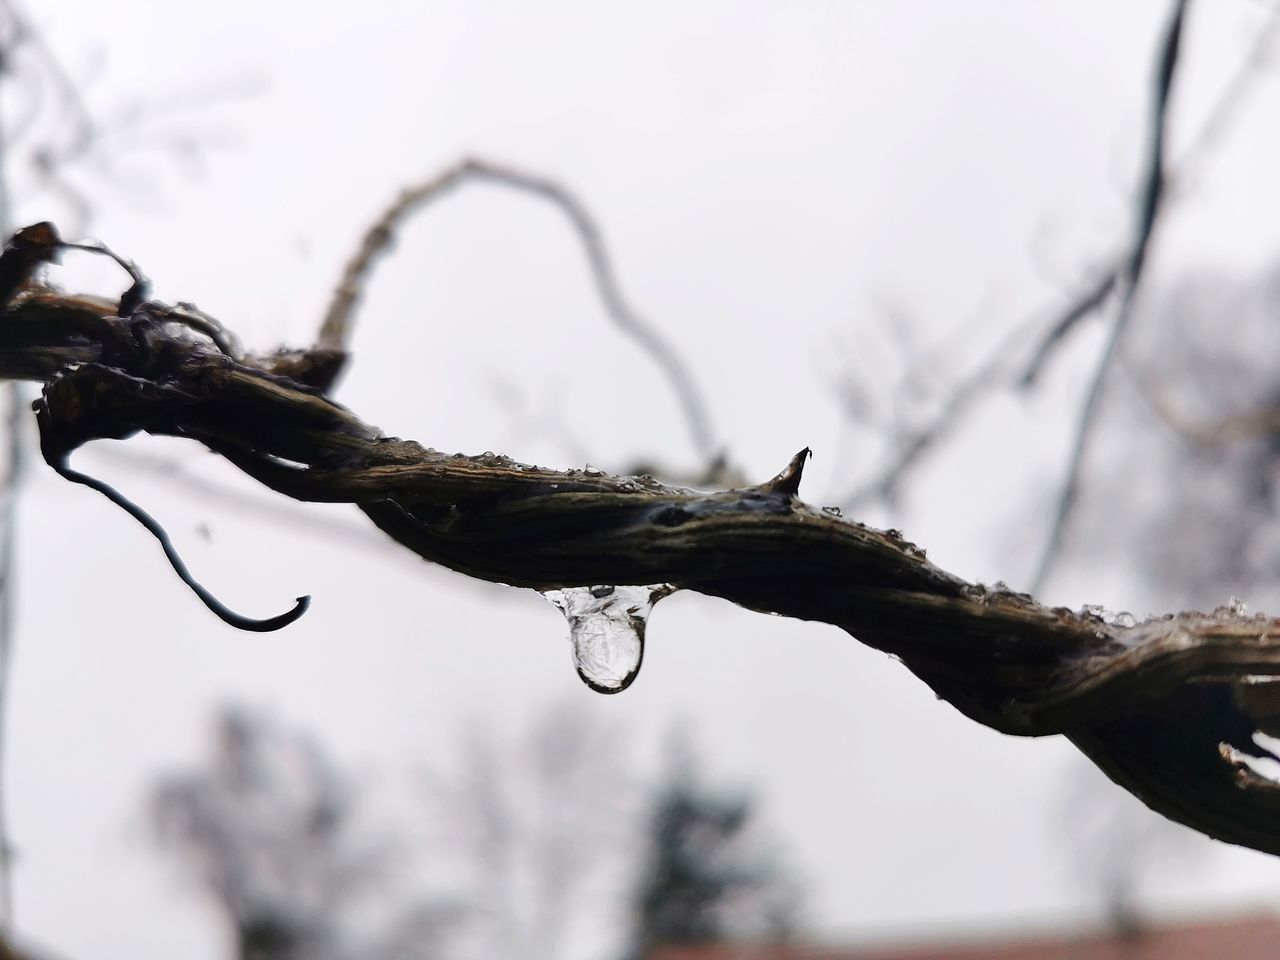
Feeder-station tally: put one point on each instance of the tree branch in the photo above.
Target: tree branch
(1093, 294)
(1167, 708)
(1148, 209)
(339, 317)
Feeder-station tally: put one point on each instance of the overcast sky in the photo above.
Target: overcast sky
(791, 191)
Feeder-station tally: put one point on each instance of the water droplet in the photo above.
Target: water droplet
(606, 630)
(834, 511)
(591, 471)
(1124, 619)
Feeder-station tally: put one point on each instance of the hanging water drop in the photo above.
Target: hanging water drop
(606, 630)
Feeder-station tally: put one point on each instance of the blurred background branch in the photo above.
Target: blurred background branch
(335, 330)
(1151, 192)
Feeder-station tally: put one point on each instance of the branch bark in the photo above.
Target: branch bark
(1167, 708)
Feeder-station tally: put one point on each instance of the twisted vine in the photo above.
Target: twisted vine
(1168, 708)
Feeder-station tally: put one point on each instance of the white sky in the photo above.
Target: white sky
(775, 181)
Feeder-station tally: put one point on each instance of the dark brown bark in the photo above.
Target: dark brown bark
(1166, 708)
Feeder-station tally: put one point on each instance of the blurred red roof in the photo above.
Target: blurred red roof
(1255, 937)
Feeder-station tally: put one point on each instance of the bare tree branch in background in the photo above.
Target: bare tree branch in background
(912, 445)
(1093, 295)
(61, 139)
(1148, 209)
(1089, 302)
(335, 331)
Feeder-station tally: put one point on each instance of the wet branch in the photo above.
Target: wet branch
(1167, 708)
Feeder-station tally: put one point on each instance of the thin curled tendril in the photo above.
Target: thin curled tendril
(223, 612)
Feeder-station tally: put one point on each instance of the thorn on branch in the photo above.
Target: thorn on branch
(788, 481)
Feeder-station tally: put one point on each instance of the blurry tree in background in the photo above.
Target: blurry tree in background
(706, 876)
(266, 828)
(530, 849)
(1189, 498)
(555, 846)
(533, 833)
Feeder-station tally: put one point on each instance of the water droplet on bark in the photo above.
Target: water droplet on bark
(606, 630)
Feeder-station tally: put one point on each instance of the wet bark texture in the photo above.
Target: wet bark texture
(1167, 708)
